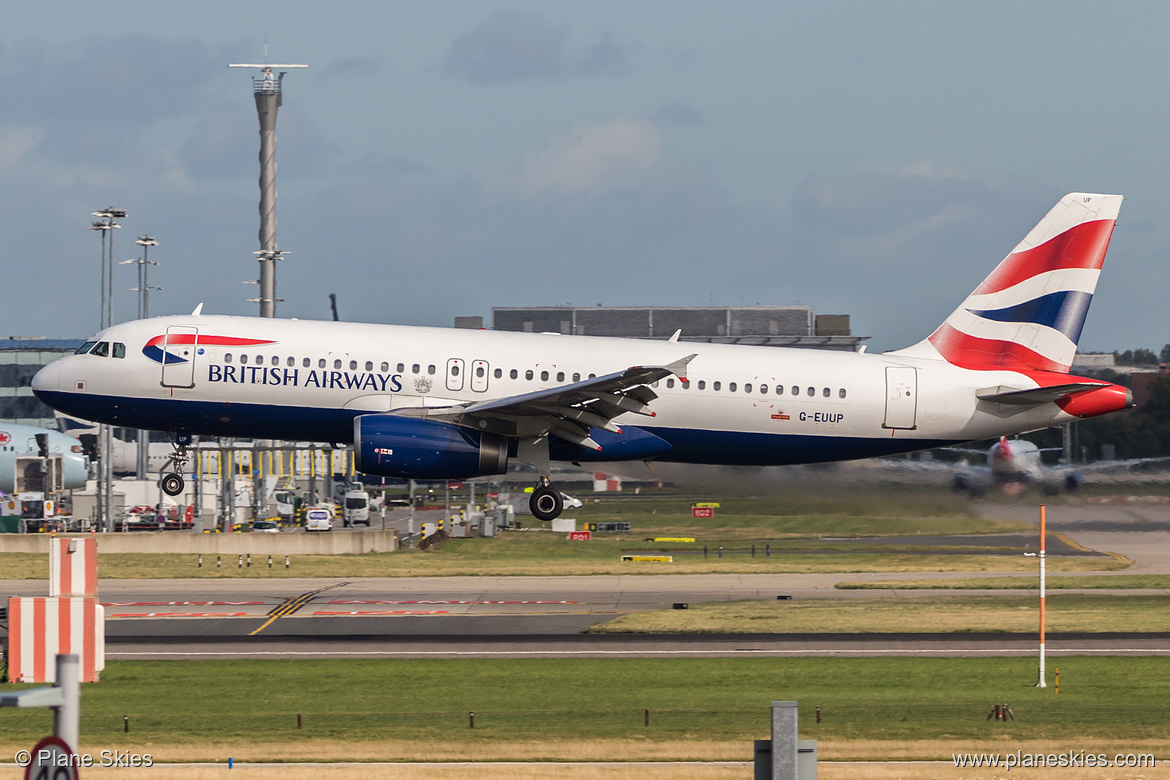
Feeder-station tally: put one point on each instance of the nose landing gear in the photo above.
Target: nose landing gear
(173, 483)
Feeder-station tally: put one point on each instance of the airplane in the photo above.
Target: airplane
(441, 403)
(20, 441)
(1012, 465)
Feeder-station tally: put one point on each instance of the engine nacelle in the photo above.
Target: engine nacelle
(391, 446)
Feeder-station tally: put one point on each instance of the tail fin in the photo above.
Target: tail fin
(1028, 314)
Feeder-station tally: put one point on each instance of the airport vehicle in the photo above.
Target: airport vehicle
(19, 448)
(319, 518)
(265, 527)
(437, 403)
(356, 508)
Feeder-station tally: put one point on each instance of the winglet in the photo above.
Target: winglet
(679, 367)
(198, 310)
(674, 339)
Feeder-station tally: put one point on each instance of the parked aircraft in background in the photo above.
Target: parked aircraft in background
(430, 403)
(20, 441)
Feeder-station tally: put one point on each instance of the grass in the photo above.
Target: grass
(1115, 581)
(934, 614)
(581, 709)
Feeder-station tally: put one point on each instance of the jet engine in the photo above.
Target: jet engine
(391, 446)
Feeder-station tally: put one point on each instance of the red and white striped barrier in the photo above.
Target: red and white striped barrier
(73, 566)
(606, 483)
(39, 628)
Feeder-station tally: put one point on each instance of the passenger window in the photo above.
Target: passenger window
(513, 374)
(353, 365)
(684, 383)
(454, 370)
(576, 377)
(499, 372)
(812, 391)
(702, 384)
(779, 389)
(670, 382)
(415, 368)
(841, 392)
(276, 360)
(84, 348)
(119, 349)
(336, 364)
(763, 389)
(795, 390)
(244, 360)
(825, 392)
(543, 376)
(479, 372)
(716, 385)
(593, 376)
(528, 374)
(731, 386)
(227, 358)
(369, 366)
(431, 369)
(401, 368)
(655, 383)
(560, 376)
(747, 388)
(292, 361)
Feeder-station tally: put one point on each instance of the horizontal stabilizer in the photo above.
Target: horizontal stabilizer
(1037, 395)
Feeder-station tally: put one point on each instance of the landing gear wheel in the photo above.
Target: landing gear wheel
(546, 503)
(172, 484)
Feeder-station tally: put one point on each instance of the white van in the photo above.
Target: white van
(356, 508)
(319, 518)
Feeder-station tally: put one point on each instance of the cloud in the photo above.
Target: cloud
(515, 46)
(681, 114)
(589, 160)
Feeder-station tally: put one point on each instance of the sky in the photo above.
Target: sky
(438, 159)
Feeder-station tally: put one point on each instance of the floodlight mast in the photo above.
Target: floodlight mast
(266, 91)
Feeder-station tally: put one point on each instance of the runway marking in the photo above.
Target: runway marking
(385, 612)
(1082, 548)
(180, 614)
(417, 653)
(180, 603)
(292, 605)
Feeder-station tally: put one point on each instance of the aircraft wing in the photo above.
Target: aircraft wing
(567, 411)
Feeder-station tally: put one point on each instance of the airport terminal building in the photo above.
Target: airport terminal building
(772, 326)
(20, 359)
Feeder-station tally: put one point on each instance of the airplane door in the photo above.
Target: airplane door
(455, 374)
(479, 376)
(901, 397)
(178, 368)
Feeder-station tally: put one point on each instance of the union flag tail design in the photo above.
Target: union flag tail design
(1028, 314)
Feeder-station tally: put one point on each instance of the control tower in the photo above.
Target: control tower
(266, 90)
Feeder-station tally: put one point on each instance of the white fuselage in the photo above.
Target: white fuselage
(306, 380)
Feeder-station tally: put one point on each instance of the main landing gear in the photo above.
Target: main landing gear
(546, 502)
(172, 483)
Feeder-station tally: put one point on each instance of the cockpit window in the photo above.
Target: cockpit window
(119, 349)
(102, 349)
(85, 348)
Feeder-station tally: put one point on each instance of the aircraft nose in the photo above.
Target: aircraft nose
(46, 378)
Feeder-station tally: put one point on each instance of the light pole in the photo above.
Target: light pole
(106, 483)
(143, 289)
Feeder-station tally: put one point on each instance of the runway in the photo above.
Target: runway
(463, 617)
